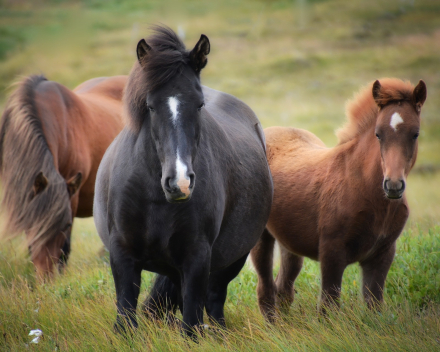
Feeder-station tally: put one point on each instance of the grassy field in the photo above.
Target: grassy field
(295, 63)
(76, 312)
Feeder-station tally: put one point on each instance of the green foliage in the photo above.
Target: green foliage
(415, 275)
(10, 39)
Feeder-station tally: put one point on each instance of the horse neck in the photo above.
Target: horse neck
(146, 147)
(364, 160)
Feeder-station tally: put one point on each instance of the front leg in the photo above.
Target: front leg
(194, 285)
(127, 276)
(374, 273)
(333, 264)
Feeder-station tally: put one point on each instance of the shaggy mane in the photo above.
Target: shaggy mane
(167, 58)
(24, 152)
(362, 110)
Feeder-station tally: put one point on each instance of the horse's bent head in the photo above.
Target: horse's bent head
(49, 239)
(397, 129)
(174, 107)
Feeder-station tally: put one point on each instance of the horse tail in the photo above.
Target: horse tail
(25, 156)
(164, 298)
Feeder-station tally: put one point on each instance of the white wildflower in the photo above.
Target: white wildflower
(37, 333)
(36, 340)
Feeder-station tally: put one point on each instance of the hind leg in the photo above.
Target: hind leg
(163, 300)
(218, 289)
(374, 273)
(291, 266)
(262, 258)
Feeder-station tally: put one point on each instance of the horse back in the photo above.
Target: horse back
(231, 112)
(108, 87)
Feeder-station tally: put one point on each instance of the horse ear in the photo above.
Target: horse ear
(199, 53)
(419, 95)
(142, 51)
(376, 93)
(74, 183)
(40, 183)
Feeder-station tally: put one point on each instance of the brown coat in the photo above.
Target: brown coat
(344, 204)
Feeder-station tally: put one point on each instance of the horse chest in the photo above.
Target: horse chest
(377, 231)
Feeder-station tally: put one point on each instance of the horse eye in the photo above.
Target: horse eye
(377, 136)
(201, 106)
(416, 136)
(150, 108)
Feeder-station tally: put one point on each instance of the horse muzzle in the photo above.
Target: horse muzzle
(179, 190)
(393, 189)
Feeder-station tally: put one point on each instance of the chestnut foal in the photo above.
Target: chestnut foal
(344, 204)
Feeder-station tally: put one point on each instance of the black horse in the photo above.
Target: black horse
(184, 190)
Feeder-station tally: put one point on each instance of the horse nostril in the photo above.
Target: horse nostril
(385, 185)
(192, 179)
(402, 185)
(167, 184)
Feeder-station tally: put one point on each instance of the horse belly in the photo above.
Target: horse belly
(246, 216)
(298, 233)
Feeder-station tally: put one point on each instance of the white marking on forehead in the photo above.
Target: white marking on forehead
(173, 104)
(182, 181)
(396, 119)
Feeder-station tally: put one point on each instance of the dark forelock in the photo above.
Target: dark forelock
(167, 58)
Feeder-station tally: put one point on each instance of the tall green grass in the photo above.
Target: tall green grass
(76, 311)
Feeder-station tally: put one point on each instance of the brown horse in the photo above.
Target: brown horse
(344, 204)
(52, 140)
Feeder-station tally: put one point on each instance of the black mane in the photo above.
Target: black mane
(168, 57)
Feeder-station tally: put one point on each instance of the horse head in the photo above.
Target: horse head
(397, 129)
(174, 106)
(49, 239)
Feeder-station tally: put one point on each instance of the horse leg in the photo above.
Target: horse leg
(291, 266)
(218, 289)
(194, 283)
(262, 258)
(127, 277)
(163, 300)
(374, 273)
(333, 265)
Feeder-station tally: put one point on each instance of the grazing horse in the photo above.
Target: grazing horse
(344, 204)
(52, 140)
(185, 189)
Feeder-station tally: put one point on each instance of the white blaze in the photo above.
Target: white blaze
(396, 119)
(182, 181)
(173, 104)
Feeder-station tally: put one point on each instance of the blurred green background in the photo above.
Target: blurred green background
(295, 62)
